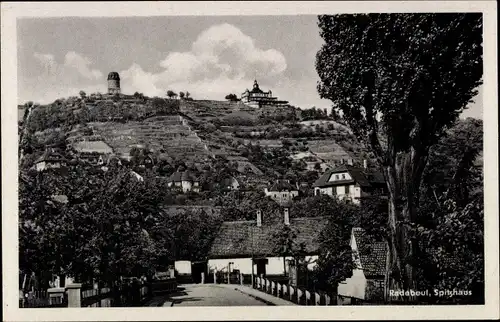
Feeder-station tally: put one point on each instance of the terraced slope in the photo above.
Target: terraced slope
(204, 110)
(168, 135)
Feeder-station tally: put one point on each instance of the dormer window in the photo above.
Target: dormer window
(343, 176)
(336, 177)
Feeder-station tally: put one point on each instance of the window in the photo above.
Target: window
(343, 176)
(336, 177)
(379, 284)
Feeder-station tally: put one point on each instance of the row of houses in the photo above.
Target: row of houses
(248, 247)
(343, 182)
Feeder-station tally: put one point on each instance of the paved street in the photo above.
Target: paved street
(211, 295)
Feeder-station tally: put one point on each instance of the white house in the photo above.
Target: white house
(183, 180)
(240, 245)
(258, 98)
(370, 257)
(50, 159)
(282, 191)
(347, 181)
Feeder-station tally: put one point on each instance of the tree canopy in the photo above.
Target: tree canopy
(107, 224)
(405, 77)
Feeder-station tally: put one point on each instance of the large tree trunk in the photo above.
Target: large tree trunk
(403, 181)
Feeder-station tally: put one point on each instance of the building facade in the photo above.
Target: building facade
(114, 83)
(258, 98)
(50, 159)
(350, 182)
(370, 258)
(250, 247)
(282, 192)
(184, 181)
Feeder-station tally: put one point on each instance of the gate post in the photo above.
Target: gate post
(74, 295)
(202, 277)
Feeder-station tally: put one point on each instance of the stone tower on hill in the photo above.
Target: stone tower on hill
(113, 83)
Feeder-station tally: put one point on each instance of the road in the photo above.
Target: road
(211, 295)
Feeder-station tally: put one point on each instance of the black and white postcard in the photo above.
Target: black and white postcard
(215, 160)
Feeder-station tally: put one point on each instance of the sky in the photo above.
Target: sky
(209, 56)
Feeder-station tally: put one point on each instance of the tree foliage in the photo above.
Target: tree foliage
(108, 226)
(451, 215)
(171, 94)
(232, 97)
(407, 76)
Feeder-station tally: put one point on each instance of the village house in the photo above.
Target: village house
(282, 191)
(230, 183)
(258, 98)
(310, 160)
(94, 152)
(184, 181)
(241, 245)
(348, 181)
(50, 159)
(367, 280)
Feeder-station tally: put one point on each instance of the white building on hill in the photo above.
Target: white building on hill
(258, 98)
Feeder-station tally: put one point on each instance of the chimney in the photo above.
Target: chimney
(287, 216)
(259, 218)
(349, 161)
(341, 161)
(365, 164)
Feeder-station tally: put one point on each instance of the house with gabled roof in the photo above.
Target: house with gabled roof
(95, 152)
(370, 258)
(281, 191)
(243, 244)
(351, 182)
(50, 159)
(184, 180)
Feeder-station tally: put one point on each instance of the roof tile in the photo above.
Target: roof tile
(372, 253)
(244, 239)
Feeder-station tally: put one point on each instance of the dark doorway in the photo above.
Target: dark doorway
(261, 266)
(196, 269)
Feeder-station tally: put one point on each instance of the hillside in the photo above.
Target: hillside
(256, 144)
(168, 135)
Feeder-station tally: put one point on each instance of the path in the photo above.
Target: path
(211, 295)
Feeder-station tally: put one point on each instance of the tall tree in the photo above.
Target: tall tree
(407, 76)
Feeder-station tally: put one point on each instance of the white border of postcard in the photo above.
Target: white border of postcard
(10, 11)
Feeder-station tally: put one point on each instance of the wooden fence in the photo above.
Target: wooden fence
(292, 293)
(126, 295)
(41, 298)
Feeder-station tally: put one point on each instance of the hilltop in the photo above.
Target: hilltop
(256, 145)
